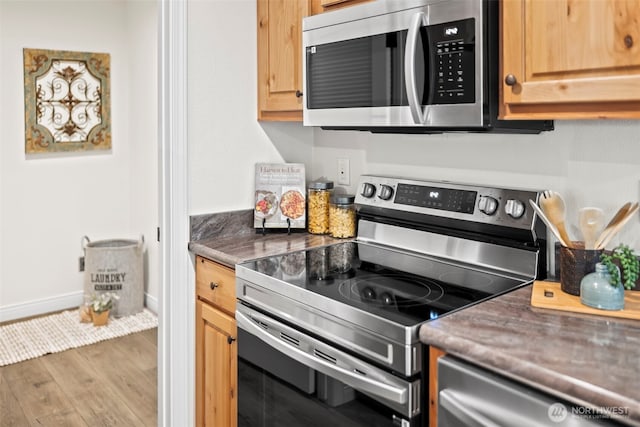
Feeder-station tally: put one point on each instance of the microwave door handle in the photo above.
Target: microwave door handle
(387, 391)
(418, 20)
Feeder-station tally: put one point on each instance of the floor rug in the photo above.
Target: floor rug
(62, 331)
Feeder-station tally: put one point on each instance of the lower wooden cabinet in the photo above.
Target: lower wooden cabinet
(434, 354)
(216, 346)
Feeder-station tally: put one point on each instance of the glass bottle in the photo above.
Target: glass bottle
(596, 291)
(342, 216)
(318, 198)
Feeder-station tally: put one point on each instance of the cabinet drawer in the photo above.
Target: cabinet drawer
(216, 284)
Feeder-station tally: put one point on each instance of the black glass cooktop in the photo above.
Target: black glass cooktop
(398, 286)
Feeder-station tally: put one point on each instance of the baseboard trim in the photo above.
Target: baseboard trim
(56, 303)
(151, 303)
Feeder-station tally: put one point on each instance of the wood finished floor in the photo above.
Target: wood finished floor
(111, 383)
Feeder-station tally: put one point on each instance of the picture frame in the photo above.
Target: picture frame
(67, 101)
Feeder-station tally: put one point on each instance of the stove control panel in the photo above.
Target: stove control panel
(490, 205)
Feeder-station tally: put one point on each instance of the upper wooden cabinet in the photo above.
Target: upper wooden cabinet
(570, 59)
(280, 91)
(320, 6)
(280, 59)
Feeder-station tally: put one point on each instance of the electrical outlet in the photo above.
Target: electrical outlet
(343, 172)
(81, 263)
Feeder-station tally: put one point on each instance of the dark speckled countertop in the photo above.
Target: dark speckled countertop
(234, 250)
(592, 361)
(229, 238)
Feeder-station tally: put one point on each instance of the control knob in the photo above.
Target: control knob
(368, 190)
(514, 208)
(385, 192)
(487, 205)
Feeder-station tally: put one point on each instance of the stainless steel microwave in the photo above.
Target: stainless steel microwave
(406, 66)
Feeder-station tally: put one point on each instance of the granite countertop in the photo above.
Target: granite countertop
(229, 238)
(592, 361)
(234, 250)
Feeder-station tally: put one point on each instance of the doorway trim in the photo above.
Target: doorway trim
(176, 340)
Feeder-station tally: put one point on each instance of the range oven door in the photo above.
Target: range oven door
(288, 378)
(414, 67)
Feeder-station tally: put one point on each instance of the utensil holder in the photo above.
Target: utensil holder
(575, 263)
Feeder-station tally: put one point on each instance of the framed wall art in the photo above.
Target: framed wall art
(67, 101)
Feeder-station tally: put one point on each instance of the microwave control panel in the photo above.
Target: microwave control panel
(453, 56)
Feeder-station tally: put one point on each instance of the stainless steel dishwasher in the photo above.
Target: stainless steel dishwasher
(475, 397)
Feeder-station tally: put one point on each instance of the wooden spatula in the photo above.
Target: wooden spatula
(552, 228)
(616, 219)
(618, 226)
(590, 221)
(553, 206)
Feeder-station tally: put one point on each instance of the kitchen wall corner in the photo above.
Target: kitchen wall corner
(48, 203)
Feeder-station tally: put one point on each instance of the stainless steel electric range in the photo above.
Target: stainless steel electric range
(329, 336)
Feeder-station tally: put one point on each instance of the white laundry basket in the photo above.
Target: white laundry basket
(115, 266)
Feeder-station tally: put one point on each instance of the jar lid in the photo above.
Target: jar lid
(343, 199)
(321, 185)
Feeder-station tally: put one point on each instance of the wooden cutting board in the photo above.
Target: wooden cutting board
(549, 295)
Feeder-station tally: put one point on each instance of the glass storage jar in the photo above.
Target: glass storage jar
(318, 198)
(342, 216)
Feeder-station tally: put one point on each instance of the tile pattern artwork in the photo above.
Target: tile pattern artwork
(67, 101)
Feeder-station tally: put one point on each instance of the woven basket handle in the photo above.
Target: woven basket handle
(85, 240)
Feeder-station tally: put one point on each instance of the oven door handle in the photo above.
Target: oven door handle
(386, 390)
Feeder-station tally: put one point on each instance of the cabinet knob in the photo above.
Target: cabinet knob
(298, 94)
(510, 80)
(213, 285)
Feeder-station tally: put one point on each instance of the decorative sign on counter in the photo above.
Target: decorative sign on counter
(279, 196)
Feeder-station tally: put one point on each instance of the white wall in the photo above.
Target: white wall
(225, 138)
(142, 35)
(592, 163)
(49, 203)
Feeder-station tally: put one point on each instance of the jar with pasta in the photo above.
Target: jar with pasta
(342, 216)
(319, 195)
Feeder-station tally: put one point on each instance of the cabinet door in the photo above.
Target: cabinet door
(280, 59)
(570, 59)
(216, 367)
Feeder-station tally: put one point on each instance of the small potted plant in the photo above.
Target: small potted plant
(624, 258)
(604, 289)
(101, 304)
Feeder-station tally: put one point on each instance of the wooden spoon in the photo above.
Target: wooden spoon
(616, 218)
(590, 221)
(617, 227)
(553, 206)
(549, 224)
